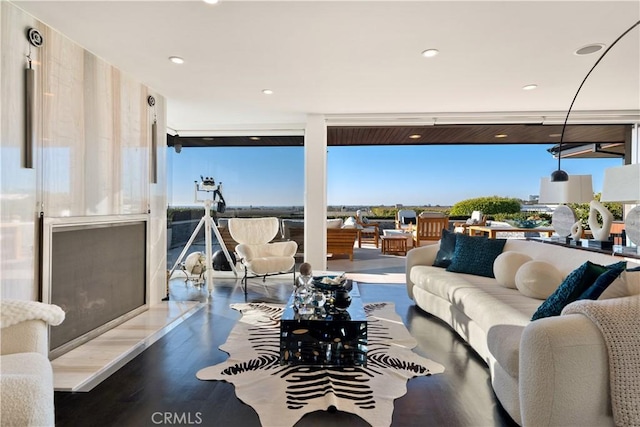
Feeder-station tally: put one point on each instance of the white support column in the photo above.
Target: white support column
(315, 192)
(632, 157)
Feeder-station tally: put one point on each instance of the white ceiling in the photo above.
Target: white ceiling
(359, 57)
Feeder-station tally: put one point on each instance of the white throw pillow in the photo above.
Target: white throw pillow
(627, 284)
(350, 223)
(506, 266)
(538, 279)
(334, 223)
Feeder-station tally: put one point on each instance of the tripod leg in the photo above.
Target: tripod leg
(209, 264)
(187, 246)
(245, 283)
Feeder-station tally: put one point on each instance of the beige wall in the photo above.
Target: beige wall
(93, 153)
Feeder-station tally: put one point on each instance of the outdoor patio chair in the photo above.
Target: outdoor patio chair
(367, 231)
(404, 219)
(429, 227)
(477, 218)
(258, 254)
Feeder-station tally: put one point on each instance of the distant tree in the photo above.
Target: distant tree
(390, 212)
(488, 205)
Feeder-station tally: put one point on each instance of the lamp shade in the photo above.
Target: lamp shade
(578, 189)
(621, 184)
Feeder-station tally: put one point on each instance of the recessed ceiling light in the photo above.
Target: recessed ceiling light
(207, 138)
(254, 138)
(530, 87)
(555, 135)
(415, 136)
(589, 49)
(176, 60)
(501, 135)
(430, 53)
(211, 1)
(267, 91)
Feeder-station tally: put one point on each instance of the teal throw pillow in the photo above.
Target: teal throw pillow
(570, 289)
(604, 280)
(447, 246)
(475, 255)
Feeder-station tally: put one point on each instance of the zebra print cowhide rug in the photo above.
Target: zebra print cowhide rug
(281, 395)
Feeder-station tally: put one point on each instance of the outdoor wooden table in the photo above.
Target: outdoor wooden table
(493, 230)
(394, 243)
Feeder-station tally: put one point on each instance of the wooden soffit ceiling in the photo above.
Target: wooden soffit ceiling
(421, 135)
(475, 134)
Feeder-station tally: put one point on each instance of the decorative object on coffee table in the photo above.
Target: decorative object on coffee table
(302, 298)
(342, 300)
(254, 369)
(331, 285)
(335, 336)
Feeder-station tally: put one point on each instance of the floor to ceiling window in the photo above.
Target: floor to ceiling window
(441, 175)
(254, 181)
(269, 181)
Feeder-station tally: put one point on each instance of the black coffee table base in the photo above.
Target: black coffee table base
(335, 339)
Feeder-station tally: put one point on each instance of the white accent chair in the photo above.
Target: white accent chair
(26, 376)
(404, 217)
(258, 254)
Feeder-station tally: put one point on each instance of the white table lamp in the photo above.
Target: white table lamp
(577, 189)
(622, 184)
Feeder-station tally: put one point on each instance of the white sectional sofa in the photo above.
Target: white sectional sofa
(552, 371)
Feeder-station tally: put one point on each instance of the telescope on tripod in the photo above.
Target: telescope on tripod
(211, 194)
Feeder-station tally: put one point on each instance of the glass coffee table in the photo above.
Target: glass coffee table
(335, 338)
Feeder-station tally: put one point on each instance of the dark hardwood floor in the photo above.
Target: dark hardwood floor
(159, 387)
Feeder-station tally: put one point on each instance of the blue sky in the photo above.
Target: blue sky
(373, 175)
